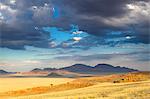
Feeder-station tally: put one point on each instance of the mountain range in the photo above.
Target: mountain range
(76, 70)
(86, 69)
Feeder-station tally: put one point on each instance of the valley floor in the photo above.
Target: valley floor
(128, 86)
(12, 84)
(136, 90)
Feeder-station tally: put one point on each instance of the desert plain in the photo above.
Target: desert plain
(117, 86)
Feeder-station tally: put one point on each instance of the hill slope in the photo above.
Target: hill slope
(3, 72)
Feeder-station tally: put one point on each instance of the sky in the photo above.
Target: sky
(59, 33)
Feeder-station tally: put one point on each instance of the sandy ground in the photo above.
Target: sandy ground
(132, 90)
(11, 84)
(128, 86)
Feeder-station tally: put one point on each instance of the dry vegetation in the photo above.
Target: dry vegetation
(50, 88)
(125, 86)
(12, 84)
(140, 90)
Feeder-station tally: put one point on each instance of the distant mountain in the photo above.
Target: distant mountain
(99, 68)
(3, 72)
(49, 69)
(53, 74)
(86, 69)
(44, 69)
(78, 68)
(36, 70)
(110, 68)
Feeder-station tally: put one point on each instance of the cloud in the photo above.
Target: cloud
(16, 38)
(18, 19)
(87, 57)
(31, 62)
(18, 25)
(97, 16)
(136, 56)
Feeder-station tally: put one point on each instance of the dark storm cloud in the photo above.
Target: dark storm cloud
(92, 16)
(19, 29)
(17, 38)
(104, 8)
(27, 3)
(97, 16)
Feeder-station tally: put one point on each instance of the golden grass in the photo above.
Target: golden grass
(50, 88)
(130, 90)
(12, 84)
(128, 86)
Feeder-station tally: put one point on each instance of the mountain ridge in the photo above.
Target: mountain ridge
(4, 72)
(82, 68)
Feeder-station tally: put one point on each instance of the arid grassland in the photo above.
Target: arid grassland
(12, 84)
(123, 86)
(140, 90)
